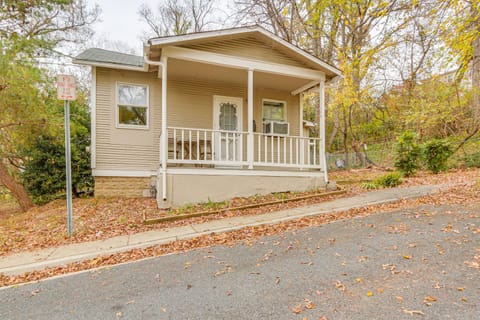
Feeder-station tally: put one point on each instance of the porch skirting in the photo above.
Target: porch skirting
(187, 188)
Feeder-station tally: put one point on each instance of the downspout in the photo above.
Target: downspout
(163, 142)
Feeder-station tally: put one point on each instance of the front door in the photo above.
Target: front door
(227, 123)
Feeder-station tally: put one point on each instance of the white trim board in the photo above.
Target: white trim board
(111, 65)
(93, 119)
(244, 172)
(123, 173)
(208, 172)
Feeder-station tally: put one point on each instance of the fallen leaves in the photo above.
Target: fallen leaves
(413, 312)
(340, 286)
(299, 308)
(104, 218)
(428, 300)
(474, 264)
(309, 304)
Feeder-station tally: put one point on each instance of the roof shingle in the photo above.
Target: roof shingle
(107, 56)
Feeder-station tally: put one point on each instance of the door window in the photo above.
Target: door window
(228, 116)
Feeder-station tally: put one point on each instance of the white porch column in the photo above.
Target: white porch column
(250, 120)
(321, 129)
(164, 138)
(302, 141)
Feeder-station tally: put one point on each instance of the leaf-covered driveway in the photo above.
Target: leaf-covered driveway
(407, 264)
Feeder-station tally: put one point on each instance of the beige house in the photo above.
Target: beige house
(206, 117)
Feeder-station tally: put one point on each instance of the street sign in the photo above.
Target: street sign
(66, 91)
(66, 88)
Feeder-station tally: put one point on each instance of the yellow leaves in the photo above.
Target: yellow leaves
(407, 257)
(369, 294)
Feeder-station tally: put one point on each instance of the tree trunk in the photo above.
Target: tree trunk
(476, 77)
(14, 187)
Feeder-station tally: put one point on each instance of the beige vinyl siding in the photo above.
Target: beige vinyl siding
(190, 105)
(247, 47)
(121, 148)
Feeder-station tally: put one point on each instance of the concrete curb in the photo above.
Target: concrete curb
(27, 262)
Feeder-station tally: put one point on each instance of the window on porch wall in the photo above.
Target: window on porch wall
(274, 117)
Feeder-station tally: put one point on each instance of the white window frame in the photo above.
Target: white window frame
(285, 117)
(119, 125)
(276, 101)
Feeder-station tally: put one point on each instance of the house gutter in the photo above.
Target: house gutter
(163, 137)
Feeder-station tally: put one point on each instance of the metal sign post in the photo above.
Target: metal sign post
(66, 91)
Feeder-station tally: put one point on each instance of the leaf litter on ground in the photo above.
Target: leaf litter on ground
(103, 218)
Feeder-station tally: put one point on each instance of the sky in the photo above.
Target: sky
(121, 23)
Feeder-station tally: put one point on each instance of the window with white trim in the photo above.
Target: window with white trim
(274, 116)
(132, 105)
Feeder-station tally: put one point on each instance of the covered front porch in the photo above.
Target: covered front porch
(257, 122)
(232, 117)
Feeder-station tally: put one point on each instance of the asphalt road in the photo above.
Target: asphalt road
(417, 264)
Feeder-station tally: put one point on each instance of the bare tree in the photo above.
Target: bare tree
(178, 17)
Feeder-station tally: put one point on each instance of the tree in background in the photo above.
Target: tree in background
(29, 29)
(178, 17)
(462, 35)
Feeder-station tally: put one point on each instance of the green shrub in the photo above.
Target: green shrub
(389, 180)
(407, 153)
(44, 175)
(44, 168)
(435, 154)
(472, 160)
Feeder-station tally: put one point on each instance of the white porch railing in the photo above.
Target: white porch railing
(286, 151)
(205, 146)
(228, 148)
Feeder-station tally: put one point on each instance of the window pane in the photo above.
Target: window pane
(228, 117)
(132, 95)
(273, 110)
(132, 115)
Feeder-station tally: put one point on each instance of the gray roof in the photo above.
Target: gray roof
(112, 57)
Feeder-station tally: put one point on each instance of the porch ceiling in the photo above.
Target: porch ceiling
(185, 70)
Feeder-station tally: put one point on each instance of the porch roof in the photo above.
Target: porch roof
(155, 45)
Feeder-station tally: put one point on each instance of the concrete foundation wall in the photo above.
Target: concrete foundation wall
(127, 187)
(185, 189)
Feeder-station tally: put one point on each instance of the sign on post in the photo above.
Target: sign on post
(66, 90)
